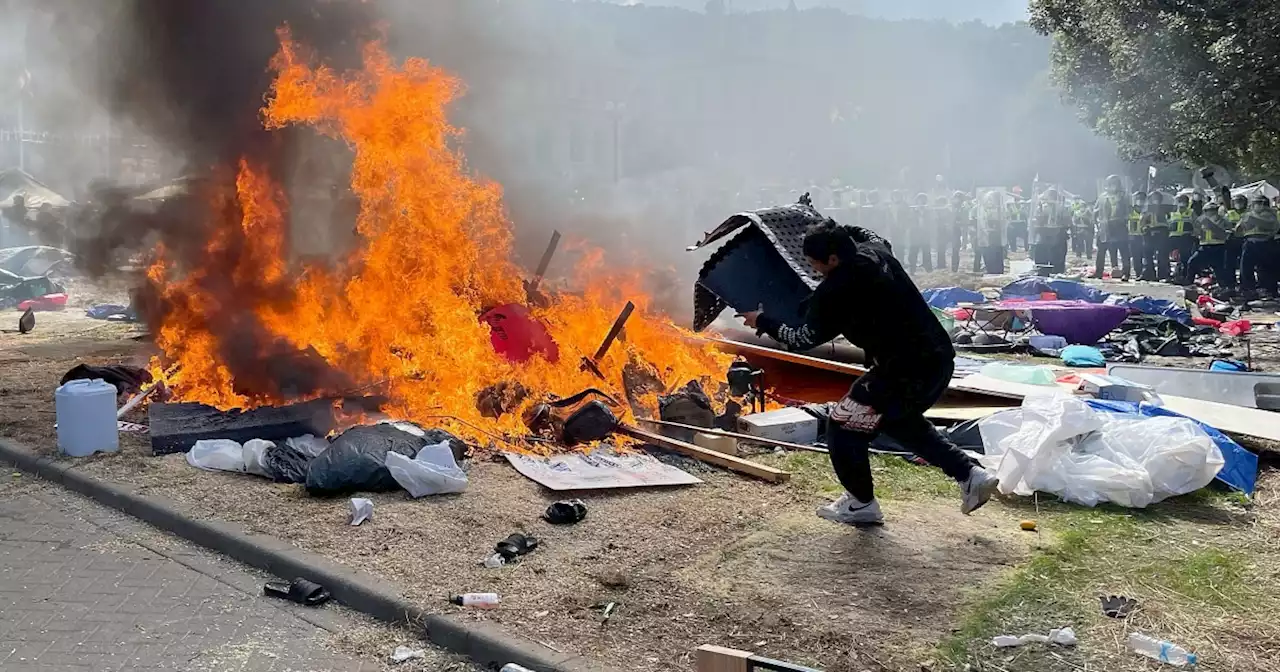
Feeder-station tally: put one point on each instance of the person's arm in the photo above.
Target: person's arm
(820, 325)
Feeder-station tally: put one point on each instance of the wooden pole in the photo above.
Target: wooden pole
(735, 435)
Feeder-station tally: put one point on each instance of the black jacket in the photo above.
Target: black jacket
(871, 301)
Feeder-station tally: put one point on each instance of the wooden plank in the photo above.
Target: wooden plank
(730, 462)
(1236, 420)
(719, 659)
(740, 348)
(735, 435)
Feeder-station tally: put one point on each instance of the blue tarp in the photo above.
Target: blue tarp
(1150, 306)
(1067, 290)
(949, 297)
(1241, 468)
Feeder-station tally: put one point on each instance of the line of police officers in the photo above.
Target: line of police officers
(1222, 234)
(1137, 234)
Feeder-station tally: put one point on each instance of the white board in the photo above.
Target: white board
(598, 470)
(1230, 419)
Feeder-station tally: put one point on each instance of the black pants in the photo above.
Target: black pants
(1133, 260)
(1235, 245)
(1082, 242)
(992, 257)
(1185, 246)
(1257, 265)
(1213, 257)
(1015, 231)
(1118, 251)
(914, 254)
(903, 420)
(949, 240)
(1155, 255)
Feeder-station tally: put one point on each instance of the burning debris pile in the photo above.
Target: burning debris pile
(410, 313)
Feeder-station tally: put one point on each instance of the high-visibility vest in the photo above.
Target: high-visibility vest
(1181, 223)
(1259, 226)
(1233, 223)
(1213, 230)
(1135, 223)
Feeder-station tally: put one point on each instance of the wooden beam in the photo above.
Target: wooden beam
(719, 659)
(738, 347)
(735, 435)
(729, 462)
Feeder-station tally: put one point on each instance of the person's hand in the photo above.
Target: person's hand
(749, 318)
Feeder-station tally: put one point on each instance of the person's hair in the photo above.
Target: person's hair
(828, 238)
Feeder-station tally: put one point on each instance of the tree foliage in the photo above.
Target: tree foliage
(1191, 80)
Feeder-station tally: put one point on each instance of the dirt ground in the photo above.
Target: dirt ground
(740, 563)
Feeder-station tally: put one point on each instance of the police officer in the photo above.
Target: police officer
(899, 221)
(1137, 242)
(919, 233)
(1258, 228)
(1155, 240)
(991, 230)
(1081, 230)
(1212, 229)
(1235, 243)
(1111, 212)
(1017, 227)
(947, 226)
(1049, 233)
(1182, 234)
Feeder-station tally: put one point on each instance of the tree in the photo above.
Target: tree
(1190, 80)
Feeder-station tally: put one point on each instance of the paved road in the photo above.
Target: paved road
(85, 588)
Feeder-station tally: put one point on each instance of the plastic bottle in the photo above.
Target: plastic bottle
(1165, 652)
(512, 667)
(477, 600)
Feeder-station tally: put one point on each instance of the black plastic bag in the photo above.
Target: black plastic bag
(126, 379)
(357, 460)
(592, 422)
(688, 406)
(285, 464)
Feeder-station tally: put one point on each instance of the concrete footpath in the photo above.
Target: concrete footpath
(83, 587)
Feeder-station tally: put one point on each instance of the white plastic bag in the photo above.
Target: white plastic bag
(217, 455)
(432, 472)
(1062, 446)
(361, 510)
(254, 452)
(307, 444)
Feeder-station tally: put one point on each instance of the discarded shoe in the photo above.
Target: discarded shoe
(565, 512)
(1117, 606)
(301, 591)
(515, 546)
(978, 489)
(850, 511)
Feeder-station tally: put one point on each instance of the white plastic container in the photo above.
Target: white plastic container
(86, 411)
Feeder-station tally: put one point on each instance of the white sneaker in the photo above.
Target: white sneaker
(850, 511)
(977, 489)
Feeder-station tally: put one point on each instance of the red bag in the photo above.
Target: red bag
(517, 336)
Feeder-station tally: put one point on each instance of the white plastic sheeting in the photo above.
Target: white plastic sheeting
(217, 455)
(1060, 445)
(432, 472)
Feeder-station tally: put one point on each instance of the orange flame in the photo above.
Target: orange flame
(435, 252)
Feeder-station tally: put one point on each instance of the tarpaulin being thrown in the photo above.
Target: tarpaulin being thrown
(763, 265)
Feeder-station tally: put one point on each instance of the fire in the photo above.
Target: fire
(435, 252)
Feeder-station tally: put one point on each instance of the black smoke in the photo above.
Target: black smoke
(191, 76)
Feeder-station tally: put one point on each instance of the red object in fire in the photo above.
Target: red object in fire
(517, 336)
(47, 302)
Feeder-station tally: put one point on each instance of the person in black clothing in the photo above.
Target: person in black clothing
(910, 356)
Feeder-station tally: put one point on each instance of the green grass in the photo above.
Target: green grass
(1083, 552)
(895, 478)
